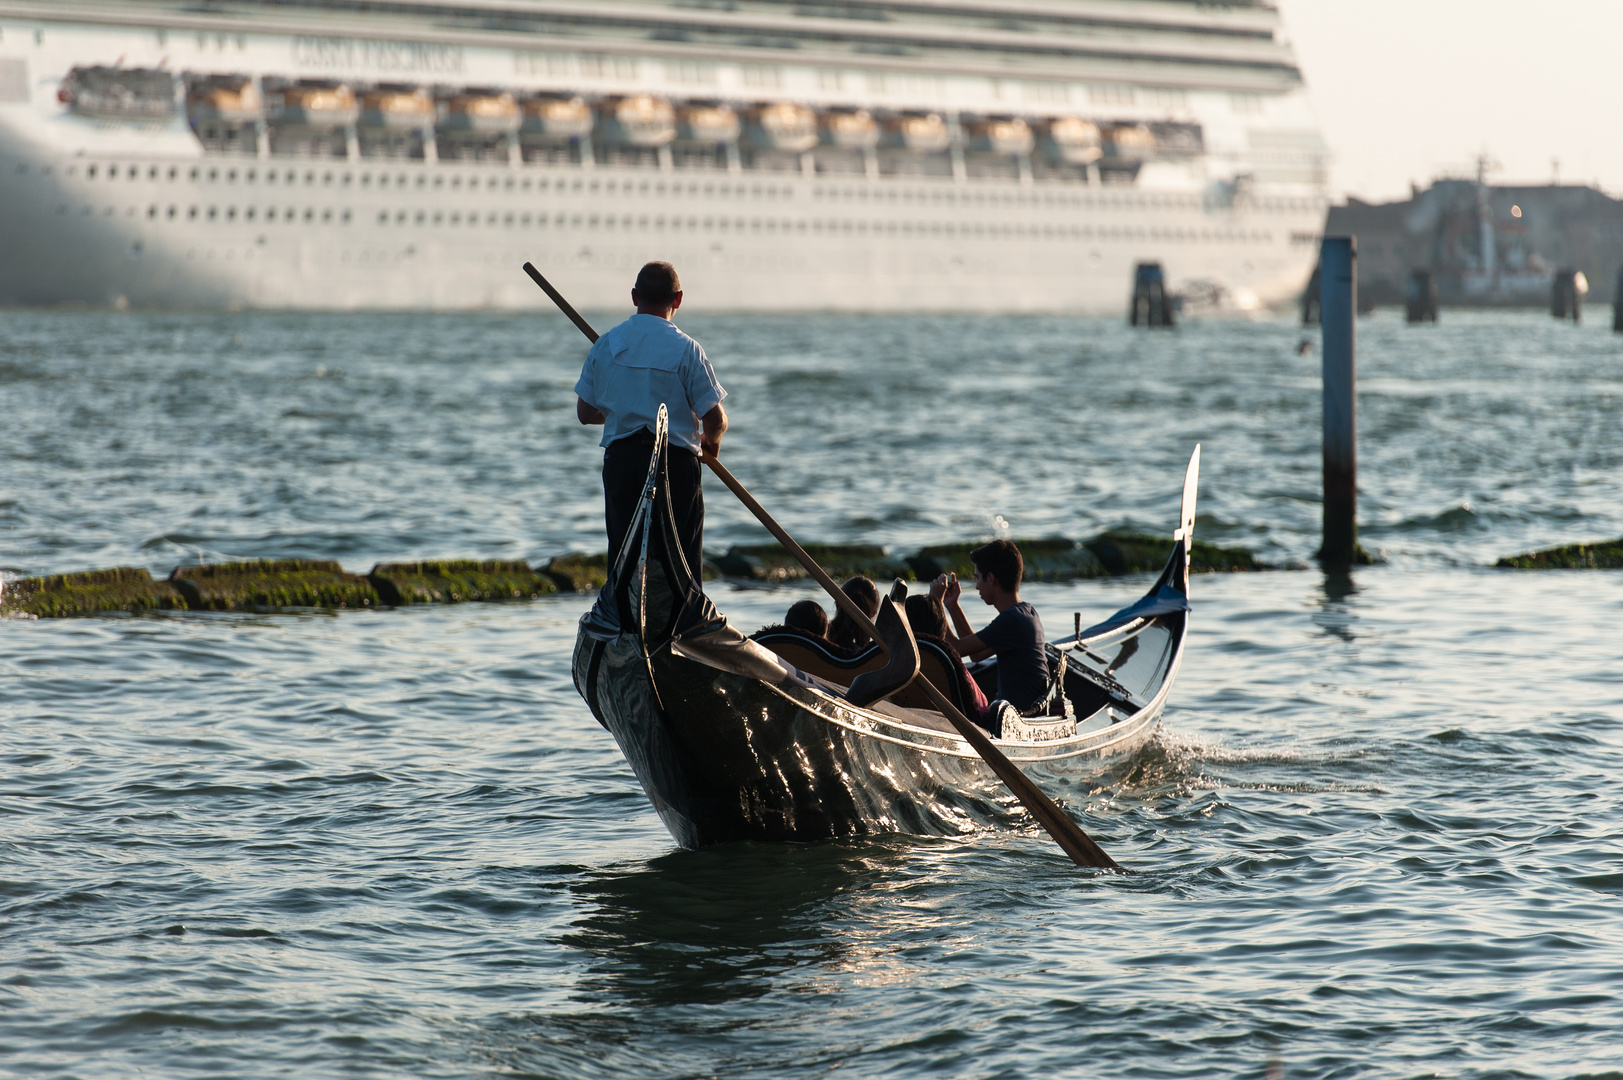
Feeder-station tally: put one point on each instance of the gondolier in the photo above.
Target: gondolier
(632, 370)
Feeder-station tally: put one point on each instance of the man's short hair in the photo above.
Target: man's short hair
(1001, 560)
(657, 284)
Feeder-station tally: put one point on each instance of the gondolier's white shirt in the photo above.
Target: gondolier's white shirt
(641, 364)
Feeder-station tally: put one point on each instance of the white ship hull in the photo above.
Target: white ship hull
(107, 213)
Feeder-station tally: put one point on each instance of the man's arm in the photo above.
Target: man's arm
(586, 414)
(715, 426)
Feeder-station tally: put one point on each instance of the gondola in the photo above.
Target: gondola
(740, 738)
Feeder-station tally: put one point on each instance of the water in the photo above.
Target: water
(1379, 834)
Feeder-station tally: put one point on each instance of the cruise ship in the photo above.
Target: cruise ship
(850, 155)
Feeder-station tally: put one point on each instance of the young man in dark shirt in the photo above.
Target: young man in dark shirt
(1015, 637)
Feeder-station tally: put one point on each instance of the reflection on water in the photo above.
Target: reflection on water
(706, 927)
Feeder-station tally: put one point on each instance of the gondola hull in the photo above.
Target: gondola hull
(731, 742)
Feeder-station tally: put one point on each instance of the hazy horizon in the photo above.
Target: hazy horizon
(1407, 90)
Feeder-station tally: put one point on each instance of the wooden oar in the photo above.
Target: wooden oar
(1066, 833)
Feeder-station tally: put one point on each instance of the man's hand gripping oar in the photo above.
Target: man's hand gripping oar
(1066, 833)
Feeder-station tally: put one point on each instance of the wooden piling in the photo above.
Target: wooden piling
(1617, 303)
(1338, 263)
(1151, 305)
(1565, 302)
(1420, 297)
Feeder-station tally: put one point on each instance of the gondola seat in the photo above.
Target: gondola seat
(821, 658)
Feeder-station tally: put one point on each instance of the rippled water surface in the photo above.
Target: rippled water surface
(1380, 833)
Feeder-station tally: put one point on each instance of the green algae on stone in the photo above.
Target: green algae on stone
(123, 588)
(451, 581)
(1051, 558)
(1605, 555)
(272, 583)
(772, 563)
(578, 573)
(1135, 553)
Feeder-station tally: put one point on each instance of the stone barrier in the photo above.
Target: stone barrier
(1605, 555)
(268, 584)
(453, 581)
(273, 584)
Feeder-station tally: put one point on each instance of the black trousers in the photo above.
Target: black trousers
(625, 470)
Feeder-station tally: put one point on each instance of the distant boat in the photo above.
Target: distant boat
(741, 739)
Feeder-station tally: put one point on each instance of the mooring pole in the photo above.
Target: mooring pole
(1338, 306)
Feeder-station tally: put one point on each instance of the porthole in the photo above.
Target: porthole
(248, 214)
(344, 217)
(270, 213)
(326, 215)
(400, 218)
(383, 217)
(90, 171)
(212, 213)
(420, 217)
(171, 213)
(438, 217)
(214, 174)
(309, 214)
(231, 213)
(152, 211)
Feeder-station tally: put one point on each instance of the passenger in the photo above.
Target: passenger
(928, 618)
(808, 616)
(1015, 637)
(843, 631)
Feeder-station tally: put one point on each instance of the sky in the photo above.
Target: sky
(1407, 89)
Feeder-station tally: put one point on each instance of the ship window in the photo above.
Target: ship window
(248, 213)
(592, 186)
(90, 172)
(270, 213)
(344, 217)
(326, 178)
(523, 219)
(231, 213)
(659, 188)
(231, 175)
(493, 183)
(420, 217)
(399, 218)
(438, 217)
(212, 213)
(509, 184)
(439, 181)
(456, 217)
(171, 213)
(383, 217)
(309, 214)
(152, 211)
(347, 179)
(659, 222)
(366, 179)
(456, 183)
(525, 184)
(508, 220)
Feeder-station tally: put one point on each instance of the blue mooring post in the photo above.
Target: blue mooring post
(1338, 305)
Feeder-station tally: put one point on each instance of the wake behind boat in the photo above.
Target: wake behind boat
(735, 738)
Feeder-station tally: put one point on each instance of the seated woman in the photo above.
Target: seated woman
(843, 631)
(807, 616)
(928, 618)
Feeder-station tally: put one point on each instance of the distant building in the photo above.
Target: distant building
(1486, 246)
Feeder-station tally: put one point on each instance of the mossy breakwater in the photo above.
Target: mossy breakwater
(1604, 555)
(276, 584)
(1110, 554)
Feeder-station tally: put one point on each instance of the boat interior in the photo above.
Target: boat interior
(1103, 681)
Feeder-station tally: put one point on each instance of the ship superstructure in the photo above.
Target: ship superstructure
(896, 155)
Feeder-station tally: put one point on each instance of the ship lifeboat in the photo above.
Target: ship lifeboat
(1129, 143)
(856, 130)
(711, 124)
(119, 93)
(918, 133)
(1074, 141)
(560, 119)
(482, 114)
(397, 110)
(784, 126)
(318, 106)
(236, 102)
(640, 120)
(1011, 137)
